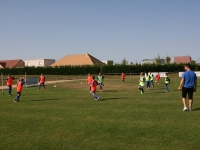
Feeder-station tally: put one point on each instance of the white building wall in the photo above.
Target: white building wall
(39, 62)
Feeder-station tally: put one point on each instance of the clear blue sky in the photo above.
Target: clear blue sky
(107, 29)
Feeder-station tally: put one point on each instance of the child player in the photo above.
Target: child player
(151, 80)
(89, 80)
(158, 78)
(94, 88)
(167, 82)
(19, 88)
(147, 78)
(9, 81)
(100, 79)
(123, 77)
(141, 82)
(41, 82)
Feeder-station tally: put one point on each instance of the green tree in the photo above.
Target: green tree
(124, 62)
(168, 59)
(193, 62)
(131, 63)
(158, 60)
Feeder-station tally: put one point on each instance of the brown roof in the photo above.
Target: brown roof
(10, 63)
(77, 60)
(182, 59)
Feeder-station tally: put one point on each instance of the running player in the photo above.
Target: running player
(141, 82)
(19, 88)
(94, 88)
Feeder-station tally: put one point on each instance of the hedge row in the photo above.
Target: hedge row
(82, 70)
(146, 67)
(64, 70)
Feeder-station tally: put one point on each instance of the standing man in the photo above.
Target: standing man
(188, 85)
(9, 80)
(123, 77)
(41, 82)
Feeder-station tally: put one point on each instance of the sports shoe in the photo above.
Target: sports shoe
(38, 90)
(189, 110)
(15, 101)
(185, 109)
(10, 95)
(98, 98)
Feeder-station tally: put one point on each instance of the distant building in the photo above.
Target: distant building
(78, 60)
(152, 61)
(108, 62)
(39, 62)
(12, 63)
(181, 59)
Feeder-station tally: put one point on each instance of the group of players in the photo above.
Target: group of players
(92, 82)
(149, 79)
(20, 84)
(145, 78)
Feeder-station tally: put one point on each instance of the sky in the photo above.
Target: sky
(107, 29)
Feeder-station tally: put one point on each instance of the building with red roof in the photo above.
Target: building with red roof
(12, 63)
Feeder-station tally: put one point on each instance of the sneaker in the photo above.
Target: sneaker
(15, 101)
(189, 110)
(98, 98)
(10, 95)
(101, 90)
(185, 109)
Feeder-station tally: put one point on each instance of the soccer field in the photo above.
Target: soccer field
(68, 118)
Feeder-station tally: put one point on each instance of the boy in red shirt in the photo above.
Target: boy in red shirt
(89, 80)
(94, 88)
(123, 77)
(41, 82)
(158, 78)
(9, 80)
(19, 88)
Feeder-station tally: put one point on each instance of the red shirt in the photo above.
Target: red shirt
(9, 81)
(123, 75)
(158, 77)
(89, 80)
(20, 86)
(42, 79)
(94, 85)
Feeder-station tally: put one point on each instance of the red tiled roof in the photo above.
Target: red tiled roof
(9, 63)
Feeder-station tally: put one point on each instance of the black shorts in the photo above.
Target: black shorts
(188, 91)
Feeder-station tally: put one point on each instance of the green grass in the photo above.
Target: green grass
(67, 117)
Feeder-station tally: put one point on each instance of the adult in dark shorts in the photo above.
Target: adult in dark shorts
(188, 85)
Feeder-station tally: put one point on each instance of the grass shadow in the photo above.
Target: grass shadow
(112, 98)
(196, 109)
(48, 99)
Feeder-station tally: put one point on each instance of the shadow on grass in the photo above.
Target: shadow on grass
(48, 99)
(196, 109)
(110, 91)
(112, 98)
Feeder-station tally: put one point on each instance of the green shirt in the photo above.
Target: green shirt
(142, 81)
(100, 79)
(167, 80)
(147, 77)
(151, 76)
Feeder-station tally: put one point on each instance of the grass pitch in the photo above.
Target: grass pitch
(68, 118)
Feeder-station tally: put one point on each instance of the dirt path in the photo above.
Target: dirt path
(48, 82)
